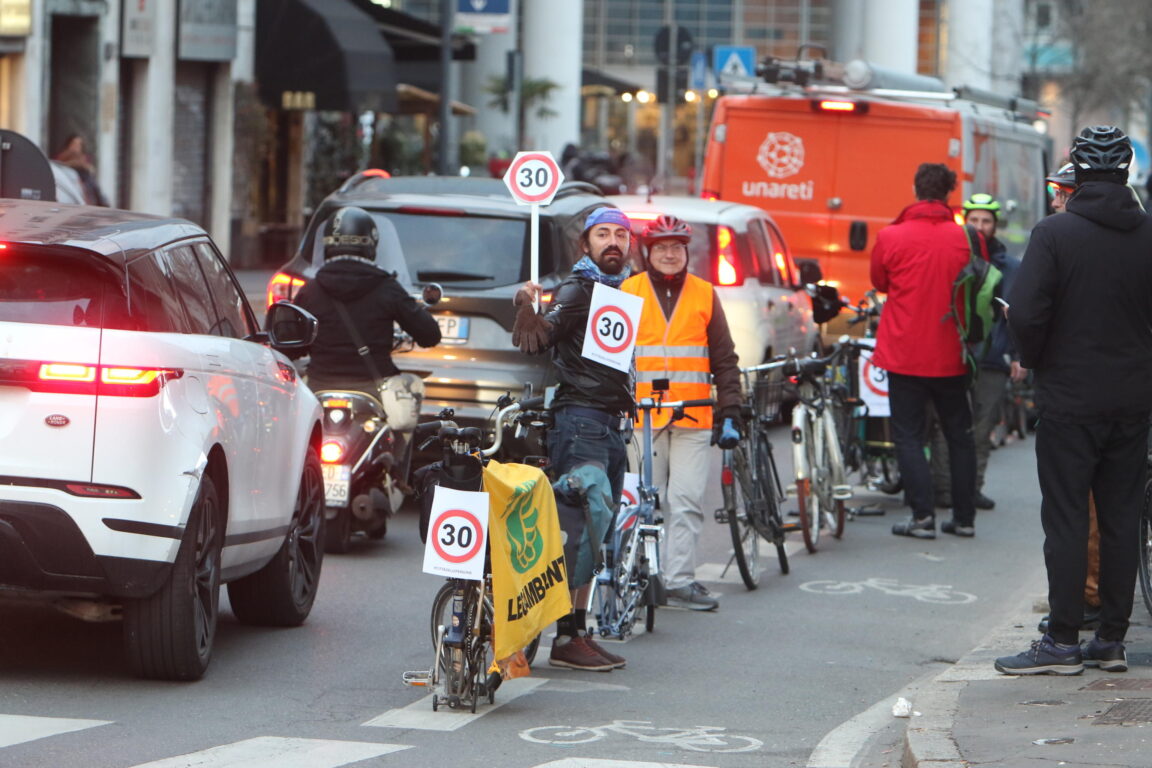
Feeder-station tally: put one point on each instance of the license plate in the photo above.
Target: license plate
(453, 329)
(337, 478)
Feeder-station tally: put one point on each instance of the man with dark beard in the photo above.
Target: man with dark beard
(592, 407)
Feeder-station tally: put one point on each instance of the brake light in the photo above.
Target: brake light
(638, 216)
(423, 211)
(331, 452)
(100, 491)
(959, 218)
(781, 264)
(709, 194)
(727, 264)
(726, 476)
(839, 105)
(283, 286)
(108, 380)
(334, 403)
(545, 298)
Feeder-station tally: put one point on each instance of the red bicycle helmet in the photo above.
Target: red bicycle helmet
(665, 227)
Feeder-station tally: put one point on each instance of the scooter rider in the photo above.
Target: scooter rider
(372, 301)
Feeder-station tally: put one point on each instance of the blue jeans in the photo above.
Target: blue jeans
(909, 397)
(582, 435)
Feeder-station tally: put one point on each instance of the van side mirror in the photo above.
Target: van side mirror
(858, 235)
(289, 327)
(810, 272)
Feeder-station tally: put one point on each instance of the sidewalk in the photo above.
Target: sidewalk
(971, 715)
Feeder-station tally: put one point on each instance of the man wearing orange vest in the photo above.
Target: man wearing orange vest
(683, 337)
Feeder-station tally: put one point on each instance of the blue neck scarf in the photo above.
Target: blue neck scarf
(587, 268)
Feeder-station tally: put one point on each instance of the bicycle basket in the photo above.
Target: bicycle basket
(767, 393)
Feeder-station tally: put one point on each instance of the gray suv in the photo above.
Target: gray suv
(472, 238)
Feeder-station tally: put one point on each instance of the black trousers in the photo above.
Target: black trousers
(1108, 458)
(909, 397)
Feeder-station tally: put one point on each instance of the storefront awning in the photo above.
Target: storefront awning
(600, 78)
(417, 101)
(322, 54)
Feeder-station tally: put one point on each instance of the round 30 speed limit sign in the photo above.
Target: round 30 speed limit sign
(613, 329)
(533, 178)
(457, 534)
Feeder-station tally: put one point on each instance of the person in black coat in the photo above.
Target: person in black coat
(1082, 319)
(375, 303)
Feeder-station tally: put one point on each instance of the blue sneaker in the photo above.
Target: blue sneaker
(1043, 658)
(1109, 655)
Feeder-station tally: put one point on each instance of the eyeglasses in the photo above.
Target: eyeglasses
(1054, 188)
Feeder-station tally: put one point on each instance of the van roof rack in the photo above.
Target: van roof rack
(814, 76)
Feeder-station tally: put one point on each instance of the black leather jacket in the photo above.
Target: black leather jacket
(581, 381)
(375, 301)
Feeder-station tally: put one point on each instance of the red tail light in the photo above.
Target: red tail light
(283, 286)
(726, 476)
(83, 379)
(331, 452)
(727, 262)
(709, 194)
(840, 105)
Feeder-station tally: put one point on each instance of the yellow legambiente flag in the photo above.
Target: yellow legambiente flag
(529, 580)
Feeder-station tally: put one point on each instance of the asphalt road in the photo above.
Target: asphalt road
(802, 671)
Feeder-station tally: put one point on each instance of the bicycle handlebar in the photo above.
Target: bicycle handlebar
(649, 404)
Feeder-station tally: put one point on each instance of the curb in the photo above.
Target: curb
(928, 739)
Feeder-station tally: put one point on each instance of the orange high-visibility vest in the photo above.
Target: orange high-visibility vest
(676, 350)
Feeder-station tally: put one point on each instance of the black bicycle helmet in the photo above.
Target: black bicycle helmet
(666, 227)
(351, 232)
(1064, 176)
(982, 201)
(1101, 148)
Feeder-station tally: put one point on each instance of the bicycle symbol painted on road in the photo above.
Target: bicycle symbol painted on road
(698, 738)
(925, 593)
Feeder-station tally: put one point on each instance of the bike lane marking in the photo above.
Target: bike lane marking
(591, 762)
(419, 714)
(277, 752)
(17, 729)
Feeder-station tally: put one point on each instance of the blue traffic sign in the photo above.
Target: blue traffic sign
(734, 61)
(483, 6)
(699, 71)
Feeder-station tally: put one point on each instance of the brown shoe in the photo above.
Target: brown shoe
(617, 662)
(577, 653)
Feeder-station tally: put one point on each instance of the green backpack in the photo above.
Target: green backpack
(973, 298)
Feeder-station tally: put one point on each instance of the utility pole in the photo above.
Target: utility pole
(442, 137)
(666, 143)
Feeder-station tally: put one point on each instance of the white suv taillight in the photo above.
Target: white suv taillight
(85, 379)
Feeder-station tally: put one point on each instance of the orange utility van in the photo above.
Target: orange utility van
(834, 163)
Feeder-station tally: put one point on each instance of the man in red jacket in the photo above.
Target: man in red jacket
(915, 261)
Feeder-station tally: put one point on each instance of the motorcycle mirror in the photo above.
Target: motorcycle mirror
(432, 293)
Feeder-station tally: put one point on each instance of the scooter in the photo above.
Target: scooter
(357, 456)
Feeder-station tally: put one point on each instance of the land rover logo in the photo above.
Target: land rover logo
(57, 420)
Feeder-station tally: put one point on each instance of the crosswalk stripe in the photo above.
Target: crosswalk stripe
(589, 762)
(419, 714)
(276, 752)
(17, 729)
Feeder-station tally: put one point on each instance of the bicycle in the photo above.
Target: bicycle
(821, 483)
(866, 441)
(749, 482)
(628, 577)
(462, 610)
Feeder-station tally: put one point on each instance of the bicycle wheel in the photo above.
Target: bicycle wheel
(809, 505)
(833, 509)
(735, 486)
(768, 522)
(442, 616)
(1146, 547)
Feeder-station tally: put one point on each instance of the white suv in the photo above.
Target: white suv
(153, 444)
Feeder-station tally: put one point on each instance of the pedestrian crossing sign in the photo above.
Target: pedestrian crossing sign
(734, 61)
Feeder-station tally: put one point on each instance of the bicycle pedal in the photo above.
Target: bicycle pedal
(842, 492)
(722, 516)
(417, 678)
(790, 527)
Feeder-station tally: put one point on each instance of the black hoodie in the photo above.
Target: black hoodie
(374, 300)
(1081, 307)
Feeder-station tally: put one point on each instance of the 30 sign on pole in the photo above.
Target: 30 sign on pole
(533, 178)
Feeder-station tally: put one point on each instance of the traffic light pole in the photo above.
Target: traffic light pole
(667, 142)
